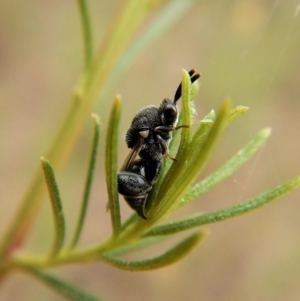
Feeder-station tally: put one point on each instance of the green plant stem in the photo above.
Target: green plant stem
(173, 255)
(87, 31)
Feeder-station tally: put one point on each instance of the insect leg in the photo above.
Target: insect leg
(165, 147)
(182, 126)
(170, 128)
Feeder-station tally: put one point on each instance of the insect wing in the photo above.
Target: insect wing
(132, 155)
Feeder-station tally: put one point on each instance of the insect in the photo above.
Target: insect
(148, 137)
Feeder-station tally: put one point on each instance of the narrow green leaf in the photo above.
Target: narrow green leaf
(171, 169)
(56, 204)
(63, 288)
(171, 256)
(185, 138)
(111, 164)
(186, 111)
(194, 92)
(228, 168)
(235, 113)
(220, 215)
(88, 183)
(87, 31)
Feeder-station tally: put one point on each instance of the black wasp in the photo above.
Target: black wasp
(148, 137)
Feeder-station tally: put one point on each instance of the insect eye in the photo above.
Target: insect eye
(169, 115)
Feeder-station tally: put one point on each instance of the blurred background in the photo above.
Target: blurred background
(248, 50)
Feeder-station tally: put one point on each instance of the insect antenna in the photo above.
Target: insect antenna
(193, 77)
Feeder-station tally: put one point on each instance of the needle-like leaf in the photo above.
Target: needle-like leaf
(171, 256)
(185, 138)
(220, 215)
(186, 111)
(111, 164)
(56, 204)
(235, 113)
